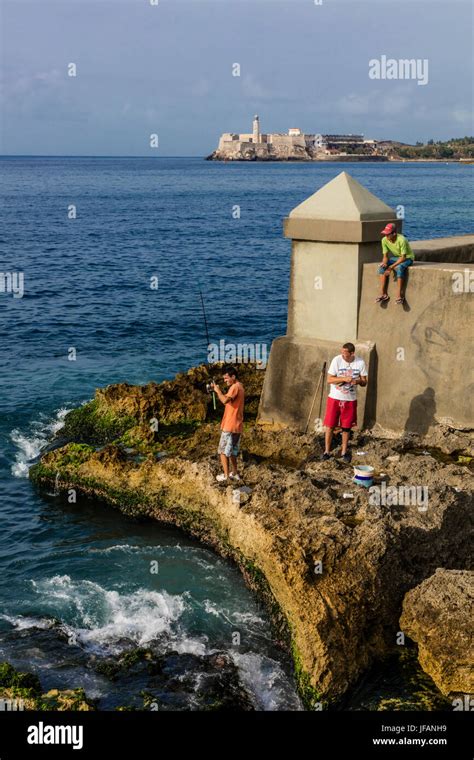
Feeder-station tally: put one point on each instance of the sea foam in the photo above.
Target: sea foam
(29, 444)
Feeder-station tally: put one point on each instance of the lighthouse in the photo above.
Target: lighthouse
(256, 129)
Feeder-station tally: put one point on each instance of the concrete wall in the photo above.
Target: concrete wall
(459, 248)
(420, 355)
(295, 394)
(424, 350)
(311, 312)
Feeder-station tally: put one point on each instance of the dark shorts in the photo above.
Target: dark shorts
(340, 413)
(229, 444)
(400, 270)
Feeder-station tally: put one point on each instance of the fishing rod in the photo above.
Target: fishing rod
(323, 372)
(321, 375)
(208, 344)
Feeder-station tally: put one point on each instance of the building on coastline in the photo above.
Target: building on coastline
(292, 145)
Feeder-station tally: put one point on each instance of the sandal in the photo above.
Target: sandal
(400, 300)
(379, 299)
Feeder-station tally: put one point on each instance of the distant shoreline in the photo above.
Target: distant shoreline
(265, 161)
(345, 159)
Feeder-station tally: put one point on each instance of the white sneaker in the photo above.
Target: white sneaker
(221, 478)
(235, 477)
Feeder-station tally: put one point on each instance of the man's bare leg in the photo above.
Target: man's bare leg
(400, 287)
(233, 464)
(383, 284)
(328, 439)
(225, 465)
(345, 441)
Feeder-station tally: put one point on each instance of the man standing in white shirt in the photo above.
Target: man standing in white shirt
(345, 373)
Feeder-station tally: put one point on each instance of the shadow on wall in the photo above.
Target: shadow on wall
(442, 337)
(370, 415)
(421, 415)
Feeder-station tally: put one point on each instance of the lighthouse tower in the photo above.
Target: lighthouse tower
(256, 129)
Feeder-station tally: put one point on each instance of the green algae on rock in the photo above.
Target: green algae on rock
(396, 683)
(25, 691)
(117, 409)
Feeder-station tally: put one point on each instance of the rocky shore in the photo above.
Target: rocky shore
(279, 153)
(22, 691)
(332, 565)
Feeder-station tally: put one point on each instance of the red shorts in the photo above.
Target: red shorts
(340, 413)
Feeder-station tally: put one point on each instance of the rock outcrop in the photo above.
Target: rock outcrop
(262, 152)
(333, 561)
(438, 615)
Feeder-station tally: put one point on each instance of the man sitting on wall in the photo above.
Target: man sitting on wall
(231, 425)
(397, 257)
(345, 373)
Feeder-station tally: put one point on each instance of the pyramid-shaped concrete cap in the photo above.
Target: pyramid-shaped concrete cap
(343, 210)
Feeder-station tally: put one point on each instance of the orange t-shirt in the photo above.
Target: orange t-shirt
(232, 421)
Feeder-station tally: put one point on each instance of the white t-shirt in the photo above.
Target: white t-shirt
(341, 368)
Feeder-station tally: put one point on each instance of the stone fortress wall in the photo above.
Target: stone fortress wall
(293, 145)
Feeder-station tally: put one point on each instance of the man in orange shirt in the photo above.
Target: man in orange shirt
(231, 425)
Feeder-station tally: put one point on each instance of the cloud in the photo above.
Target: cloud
(395, 101)
(44, 95)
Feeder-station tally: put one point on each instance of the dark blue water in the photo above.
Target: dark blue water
(87, 287)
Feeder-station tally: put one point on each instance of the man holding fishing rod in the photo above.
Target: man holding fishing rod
(233, 419)
(232, 424)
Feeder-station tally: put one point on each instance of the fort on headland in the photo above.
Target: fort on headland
(295, 145)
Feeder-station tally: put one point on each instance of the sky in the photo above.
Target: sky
(168, 69)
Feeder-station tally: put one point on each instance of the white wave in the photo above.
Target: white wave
(126, 548)
(168, 551)
(204, 564)
(100, 618)
(30, 444)
(186, 645)
(21, 622)
(211, 608)
(104, 621)
(247, 617)
(266, 682)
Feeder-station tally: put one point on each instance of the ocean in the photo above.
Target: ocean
(75, 586)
